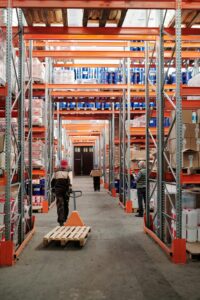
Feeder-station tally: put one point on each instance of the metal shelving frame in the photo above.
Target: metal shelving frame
(20, 168)
(49, 133)
(177, 248)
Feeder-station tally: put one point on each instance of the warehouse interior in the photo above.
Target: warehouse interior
(113, 87)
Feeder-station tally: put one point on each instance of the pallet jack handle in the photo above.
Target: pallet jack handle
(74, 195)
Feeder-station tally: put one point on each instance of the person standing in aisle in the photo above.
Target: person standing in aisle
(140, 179)
(62, 187)
(96, 174)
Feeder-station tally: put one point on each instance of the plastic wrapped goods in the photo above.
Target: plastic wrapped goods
(195, 82)
(38, 70)
(63, 76)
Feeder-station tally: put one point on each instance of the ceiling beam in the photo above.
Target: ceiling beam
(112, 4)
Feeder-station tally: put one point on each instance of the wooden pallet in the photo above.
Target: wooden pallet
(37, 208)
(64, 234)
(193, 250)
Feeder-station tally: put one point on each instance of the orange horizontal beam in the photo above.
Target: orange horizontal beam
(84, 144)
(36, 129)
(85, 93)
(190, 91)
(38, 172)
(106, 54)
(107, 44)
(114, 4)
(107, 112)
(186, 105)
(82, 134)
(141, 131)
(39, 86)
(79, 86)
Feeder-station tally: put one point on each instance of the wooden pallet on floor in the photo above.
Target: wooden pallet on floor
(193, 250)
(64, 234)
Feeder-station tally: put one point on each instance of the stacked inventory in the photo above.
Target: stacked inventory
(191, 141)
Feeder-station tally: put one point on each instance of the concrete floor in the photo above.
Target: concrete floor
(119, 262)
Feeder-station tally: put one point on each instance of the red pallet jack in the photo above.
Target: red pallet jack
(74, 228)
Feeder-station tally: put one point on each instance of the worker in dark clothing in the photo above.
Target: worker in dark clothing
(140, 179)
(96, 174)
(62, 186)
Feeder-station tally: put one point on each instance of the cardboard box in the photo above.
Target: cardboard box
(186, 116)
(2, 141)
(188, 144)
(188, 131)
(137, 154)
(190, 159)
(95, 173)
(198, 115)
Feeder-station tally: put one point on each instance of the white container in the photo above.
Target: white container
(134, 198)
(184, 218)
(184, 233)
(192, 218)
(198, 212)
(192, 235)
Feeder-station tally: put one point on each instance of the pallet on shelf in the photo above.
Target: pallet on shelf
(64, 234)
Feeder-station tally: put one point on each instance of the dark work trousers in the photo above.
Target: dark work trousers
(141, 192)
(62, 202)
(96, 181)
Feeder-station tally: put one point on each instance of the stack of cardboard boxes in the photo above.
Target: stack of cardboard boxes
(191, 141)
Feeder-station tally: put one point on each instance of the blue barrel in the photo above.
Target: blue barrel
(72, 105)
(184, 77)
(107, 106)
(36, 189)
(135, 105)
(173, 77)
(141, 105)
(137, 78)
(152, 105)
(152, 76)
(166, 122)
(110, 77)
(141, 75)
(116, 77)
(98, 105)
(152, 122)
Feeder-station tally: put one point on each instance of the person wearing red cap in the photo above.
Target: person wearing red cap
(62, 187)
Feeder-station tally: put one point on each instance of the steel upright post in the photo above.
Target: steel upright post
(147, 127)
(60, 138)
(124, 136)
(160, 128)
(46, 202)
(21, 134)
(30, 127)
(8, 122)
(113, 147)
(104, 154)
(178, 123)
(50, 144)
(128, 204)
(110, 154)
